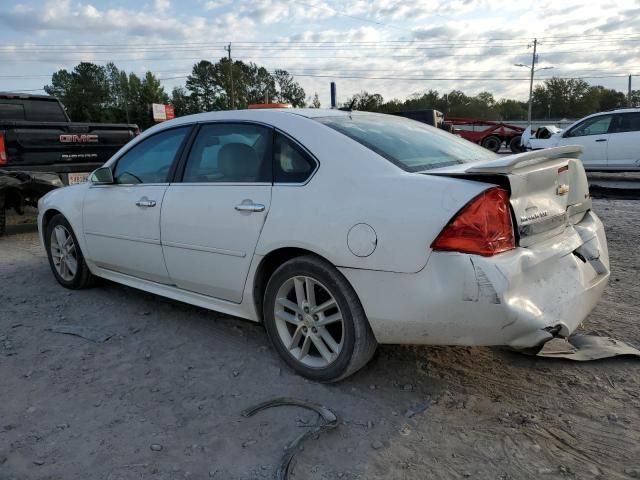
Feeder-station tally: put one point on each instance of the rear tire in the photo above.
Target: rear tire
(324, 336)
(515, 146)
(492, 143)
(65, 257)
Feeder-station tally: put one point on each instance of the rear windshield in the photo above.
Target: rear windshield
(33, 110)
(412, 146)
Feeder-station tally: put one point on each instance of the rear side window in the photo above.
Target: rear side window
(291, 163)
(150, 160)
(413, 146)
(11, 111)
(625, 122)
(230, 152)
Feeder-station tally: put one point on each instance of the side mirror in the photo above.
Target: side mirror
(102, 176)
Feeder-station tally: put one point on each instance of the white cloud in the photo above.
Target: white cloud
(162, 6)
(451, 39)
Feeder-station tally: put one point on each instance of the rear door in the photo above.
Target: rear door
(212, 218)
(121, 222)
(592, 135)
(624, 141)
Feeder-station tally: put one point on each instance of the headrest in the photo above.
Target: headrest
(238, 162)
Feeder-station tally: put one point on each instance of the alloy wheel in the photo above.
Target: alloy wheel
(309, 322)
(64, 253)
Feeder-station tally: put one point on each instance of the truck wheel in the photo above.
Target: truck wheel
(492, 143)
(515, 146)
(3, 214)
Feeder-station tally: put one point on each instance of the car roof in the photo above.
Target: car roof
(265, 115)
(618, 110)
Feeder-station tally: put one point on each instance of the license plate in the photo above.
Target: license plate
(76, 178)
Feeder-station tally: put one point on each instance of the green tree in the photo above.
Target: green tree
(256, 84)
(608, 98)
(289, 91)
(183, 102)
(315, 101)
(365, 101)
(204, 84)
(570, 98)
(511, 110)
(85, 92)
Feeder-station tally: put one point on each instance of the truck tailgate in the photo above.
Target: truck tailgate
(34, 144)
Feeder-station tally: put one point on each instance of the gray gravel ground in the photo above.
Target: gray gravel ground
(162, 398)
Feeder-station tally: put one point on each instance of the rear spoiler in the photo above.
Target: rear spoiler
(510, 163)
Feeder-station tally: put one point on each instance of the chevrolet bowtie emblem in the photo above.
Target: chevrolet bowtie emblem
(562, 189)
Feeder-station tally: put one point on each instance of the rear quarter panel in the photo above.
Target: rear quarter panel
(354, 185)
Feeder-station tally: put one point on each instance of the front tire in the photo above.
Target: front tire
(315, 320)
(65, 257)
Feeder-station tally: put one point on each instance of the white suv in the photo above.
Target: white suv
(610, 140)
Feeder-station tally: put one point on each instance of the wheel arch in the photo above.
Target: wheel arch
(269, 264)
(47, 216)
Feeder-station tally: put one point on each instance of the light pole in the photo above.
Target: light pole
(533, 71)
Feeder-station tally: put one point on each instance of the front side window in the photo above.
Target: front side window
(413, 146)
(291, 163)
(150, 160)
(592, 126)
(625, 122)
(230, 153)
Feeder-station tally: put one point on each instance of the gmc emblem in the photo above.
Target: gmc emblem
(73, 138)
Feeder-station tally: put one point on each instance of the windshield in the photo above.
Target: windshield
(412, 146)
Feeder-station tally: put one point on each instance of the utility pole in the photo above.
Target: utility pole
(233, 100)
(629, 94)
(533, 69)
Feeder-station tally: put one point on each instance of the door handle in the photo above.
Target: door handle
(601, 140)
(250, 207)
(146, 203)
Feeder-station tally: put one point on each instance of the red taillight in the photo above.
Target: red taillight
(482, 227)
(3, 150)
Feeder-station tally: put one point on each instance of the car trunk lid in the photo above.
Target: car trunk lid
(548, 188)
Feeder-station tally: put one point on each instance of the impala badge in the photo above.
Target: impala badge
(562, 189)
(535, 215)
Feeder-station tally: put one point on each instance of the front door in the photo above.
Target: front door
(212, 218)
(592, 134)
(121, 222)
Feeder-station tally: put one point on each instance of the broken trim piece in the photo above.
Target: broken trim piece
(330, 422)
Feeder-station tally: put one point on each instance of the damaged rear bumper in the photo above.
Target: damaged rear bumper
(520, 298)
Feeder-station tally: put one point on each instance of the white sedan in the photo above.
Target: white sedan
(339, 230)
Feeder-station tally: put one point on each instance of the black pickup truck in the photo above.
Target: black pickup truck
(41, 149)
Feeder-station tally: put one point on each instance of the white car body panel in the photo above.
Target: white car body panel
(209, 250)
(623, 151)
(125, 237)
(410, 294)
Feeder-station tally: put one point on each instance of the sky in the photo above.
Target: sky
(397, 48)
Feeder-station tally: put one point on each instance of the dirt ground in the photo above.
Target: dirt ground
(162, 398)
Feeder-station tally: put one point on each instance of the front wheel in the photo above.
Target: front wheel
(315, 320)
(65, 257)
